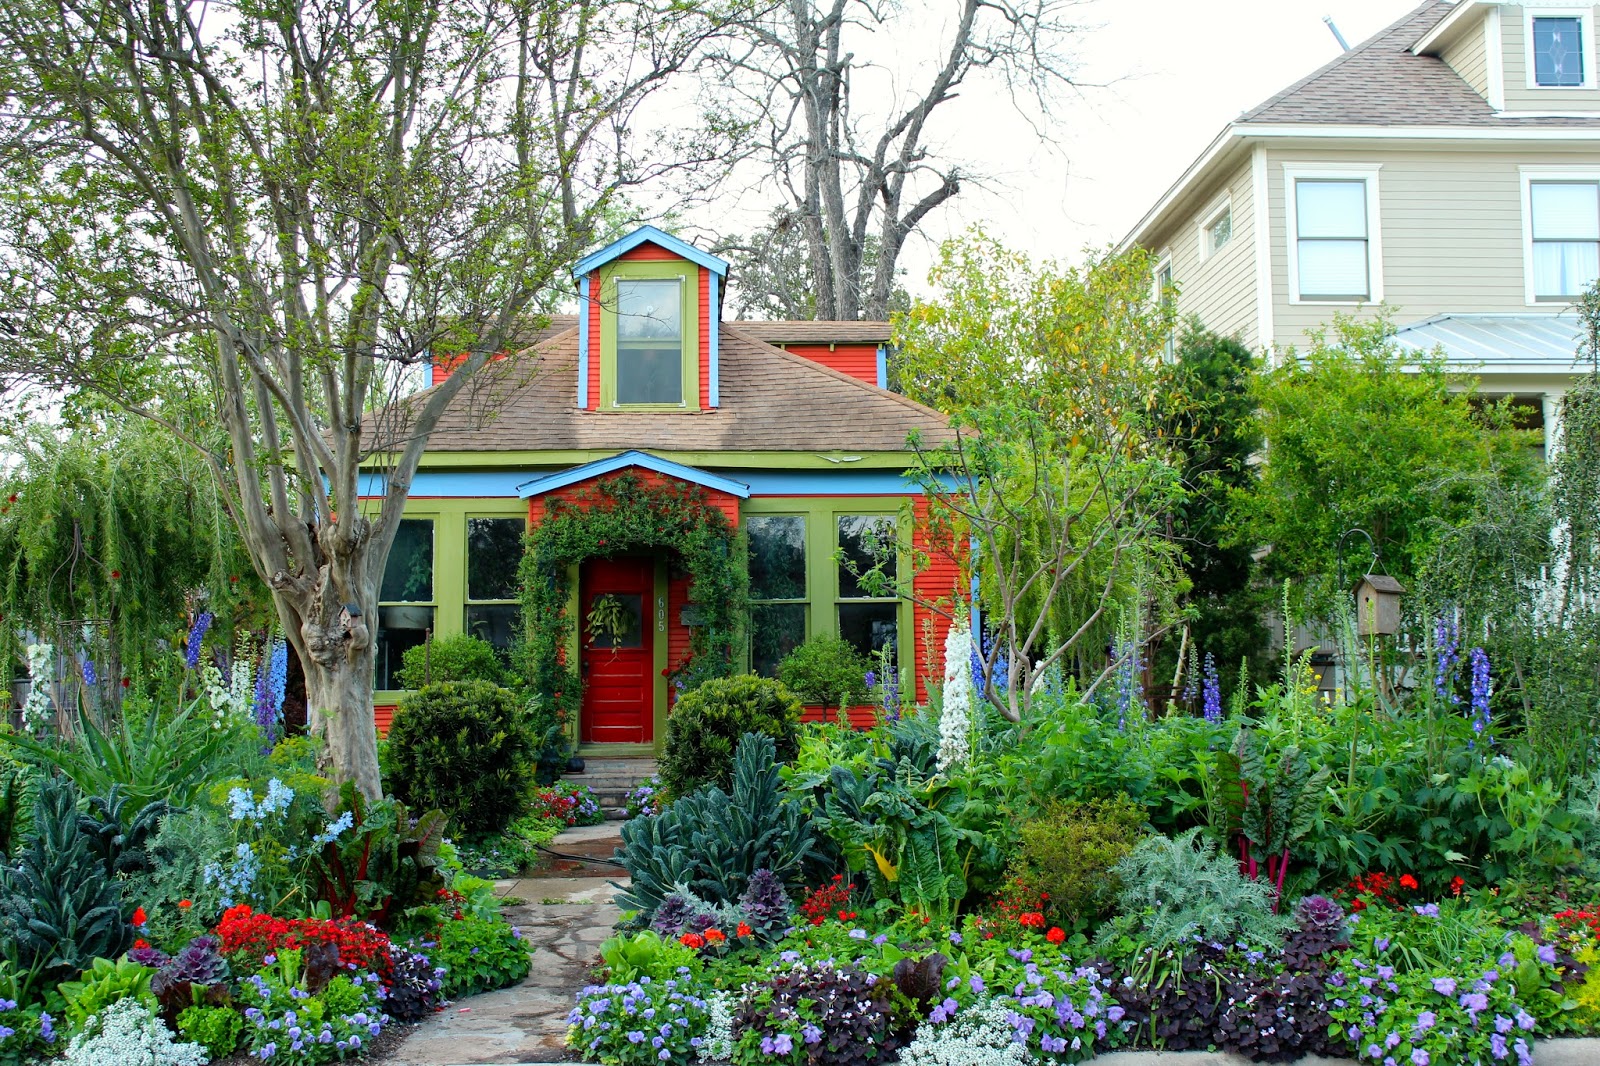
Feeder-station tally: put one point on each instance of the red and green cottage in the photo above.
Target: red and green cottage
(634, 439)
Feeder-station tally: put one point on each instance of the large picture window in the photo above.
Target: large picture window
(778, 622)
(406, 605)
(868, 610)
(649, 361)
(494, 552)
(1564, 229)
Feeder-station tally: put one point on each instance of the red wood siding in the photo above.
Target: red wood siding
(384, 716)
(593, 403)
(722, 501)
(677, 632)
(648, 250)
(941, 582)
(863, 717)
(858, 360)
(706, 326)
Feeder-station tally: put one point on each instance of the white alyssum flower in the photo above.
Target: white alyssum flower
(979, 1035)
(716, 1043)
(127, 1034)
(955, 722)
(42, 669)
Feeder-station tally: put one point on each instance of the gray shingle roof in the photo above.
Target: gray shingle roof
(814, 332)
(1380, 82)
(770, 401)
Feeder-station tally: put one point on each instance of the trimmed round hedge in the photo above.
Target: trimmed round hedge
(706, 723)
(463, 747)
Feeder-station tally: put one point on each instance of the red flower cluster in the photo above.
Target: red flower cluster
(247, 938)
(1056, 934)
(1031, 919)
(1017, 906)
(692, 940)
(1584, 921)
(1375, 888)
(826, 901)
(554, 804)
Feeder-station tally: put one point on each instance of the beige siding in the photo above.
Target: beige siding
(1451, 228)
(1218, 289)
(1519, 97)
(1468, 56)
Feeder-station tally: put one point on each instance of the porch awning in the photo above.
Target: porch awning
(643, 460)
(1499, 343)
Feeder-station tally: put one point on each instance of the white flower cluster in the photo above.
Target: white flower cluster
(42, 669)
(980, 1035)
(231, 699)
(955, 722)
(716, 1043)
(127, 1034)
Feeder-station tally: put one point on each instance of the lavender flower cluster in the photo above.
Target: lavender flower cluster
(638, 1024)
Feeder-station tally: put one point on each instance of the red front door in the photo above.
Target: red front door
(617, 658)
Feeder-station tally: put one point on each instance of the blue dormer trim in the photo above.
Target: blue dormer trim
(714, 327)
(583, 342)
(665, 467)
(883, 367)
(650, 235)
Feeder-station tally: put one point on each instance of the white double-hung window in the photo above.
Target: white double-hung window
(1335, 252)
(1561, 231)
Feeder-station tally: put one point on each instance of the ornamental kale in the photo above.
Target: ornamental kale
(766, 907)
(193, 976)
(638, 1024)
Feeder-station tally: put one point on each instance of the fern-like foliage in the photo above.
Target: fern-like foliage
(712, 842)
(1174, 890)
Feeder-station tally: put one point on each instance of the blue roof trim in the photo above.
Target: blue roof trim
(583, 343)
(665, 467)
(883, 367)
(713, 315)
(650, 235)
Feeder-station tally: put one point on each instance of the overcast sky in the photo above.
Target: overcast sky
(1172, 72)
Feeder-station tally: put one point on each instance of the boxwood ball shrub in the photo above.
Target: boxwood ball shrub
(463, 747)
(706, 723)
(826, 670)
(456, 658)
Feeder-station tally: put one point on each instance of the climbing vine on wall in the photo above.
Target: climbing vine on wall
(619, 515)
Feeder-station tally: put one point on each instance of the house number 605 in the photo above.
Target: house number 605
(661, 614)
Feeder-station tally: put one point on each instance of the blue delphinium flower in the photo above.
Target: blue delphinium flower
(1447, 656)
(197, 634)
(1213, 691)
(1480, 691)
(89, 676)
(1129, 672)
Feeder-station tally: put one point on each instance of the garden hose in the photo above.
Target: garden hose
(577, 858)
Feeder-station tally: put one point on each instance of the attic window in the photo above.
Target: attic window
(1219, 231)
(649, 341)
(1558, 52)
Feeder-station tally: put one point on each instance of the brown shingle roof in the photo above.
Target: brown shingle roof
(770, 401)
(814, 332)
(1380, 82)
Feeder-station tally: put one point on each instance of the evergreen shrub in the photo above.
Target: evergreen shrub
(464, 748)
(456, 658)
(826, 670)
(706, 723)
(1069, 852)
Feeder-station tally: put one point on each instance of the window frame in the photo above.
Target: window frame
(1208, 222)
(822, 569)
(1585, 17)
(804, 600)
(688, 276)
(1159, 296)
(1529, 176)
(436, 587)
(467, 600)
(1293, 173)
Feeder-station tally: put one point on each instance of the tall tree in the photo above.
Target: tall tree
(296, 204)
(859, 182)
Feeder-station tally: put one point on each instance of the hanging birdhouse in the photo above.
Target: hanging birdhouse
(1378, 606)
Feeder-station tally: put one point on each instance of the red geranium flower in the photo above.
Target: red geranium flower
(1409, 882)
(1031, 920)
(692, 940)
(1456, 885)
(185, 904)
(715, 936)
(138, 916)
(743, 929)
(1055, 935)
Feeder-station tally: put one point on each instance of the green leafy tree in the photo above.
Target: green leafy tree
(106, 531)
(292, 206)
(1049, 374)
(1208, 414)
(1362, 434)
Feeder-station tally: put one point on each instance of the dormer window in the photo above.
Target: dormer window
(649, 341)
(649, 336)
(1559, 44)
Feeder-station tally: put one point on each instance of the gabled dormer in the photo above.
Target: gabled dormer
(649, 310)
(1525, 59)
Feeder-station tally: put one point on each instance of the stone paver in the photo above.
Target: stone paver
(527, 1023)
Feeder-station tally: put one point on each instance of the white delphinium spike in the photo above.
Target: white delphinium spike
(955, 723)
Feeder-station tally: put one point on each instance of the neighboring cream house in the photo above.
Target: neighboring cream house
(1448, 167)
